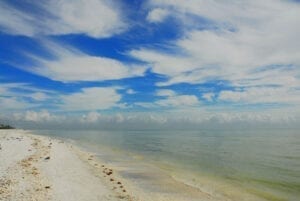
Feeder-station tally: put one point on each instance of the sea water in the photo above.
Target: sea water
(264, 163)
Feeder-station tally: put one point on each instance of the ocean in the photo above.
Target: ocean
(253, 164)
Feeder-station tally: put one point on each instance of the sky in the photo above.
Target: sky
(152, 63)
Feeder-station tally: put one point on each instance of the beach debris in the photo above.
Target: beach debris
(47, 187)
(121, 197)
(119, 182)
(34, 171)
(112, 179)
(47, 158)
(107, 171)
(124, 190)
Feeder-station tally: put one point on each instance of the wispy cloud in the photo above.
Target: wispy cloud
(71, 65)
(157, 15)
(245, 37)
(95, 98)
(224, 62)
(169, 99)
(96, 18)
(21, 96)
(262, 95)
(13, 103)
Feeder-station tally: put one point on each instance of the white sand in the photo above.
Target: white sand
(69, 175)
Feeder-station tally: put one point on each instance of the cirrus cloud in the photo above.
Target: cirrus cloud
(247, 44)
(95, 18)
(94, 98)
(71, 65)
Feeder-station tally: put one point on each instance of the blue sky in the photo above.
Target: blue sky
(155, 61)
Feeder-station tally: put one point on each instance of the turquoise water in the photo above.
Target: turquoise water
(265, 163)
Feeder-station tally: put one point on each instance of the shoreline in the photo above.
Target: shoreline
(39, 167)
(36, 167)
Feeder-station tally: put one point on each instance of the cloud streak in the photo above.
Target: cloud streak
(95, 98)
(71, 65)
(249, 46)
(95, 18)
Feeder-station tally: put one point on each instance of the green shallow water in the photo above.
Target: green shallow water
(262, 163)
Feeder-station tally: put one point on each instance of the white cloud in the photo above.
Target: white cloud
(39, 96)
(16, 95)
(95, 98)
(12, 99)
(262, 95)
(162, 63)
(130, 91)
(87, 68)
(179, 101)
(165, 92)
(208, 96)
(157, 15)
(248, 44)
(96, 18)
(14, 21)
(145, 104)
(188, 118)
(170, 99)
(13, 103)
(73, 65)
(37, 117)
(91, 117)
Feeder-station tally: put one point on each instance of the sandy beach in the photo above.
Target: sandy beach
(36, 167)
(40, 168)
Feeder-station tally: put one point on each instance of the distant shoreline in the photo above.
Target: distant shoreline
(3, 126)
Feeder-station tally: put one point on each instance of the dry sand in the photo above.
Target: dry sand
(40, 168)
